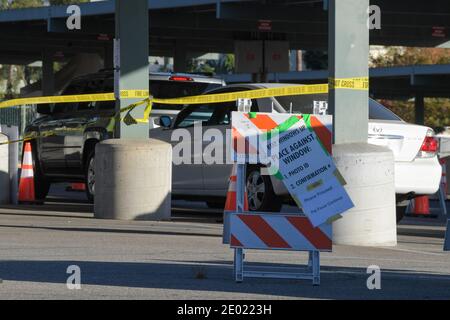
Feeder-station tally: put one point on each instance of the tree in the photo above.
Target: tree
(3, 4)
(66, 2)
(437, 110)
(19, 4)
(225, 65)
(401, 56)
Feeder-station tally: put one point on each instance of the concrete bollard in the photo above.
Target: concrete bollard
(133, 180)
(4, 170)
(369, 173)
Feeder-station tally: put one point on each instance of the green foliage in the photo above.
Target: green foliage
(3, 4)
(437, 110)
(401, 56)
(224, 65)
(66, 2)
(18, 4)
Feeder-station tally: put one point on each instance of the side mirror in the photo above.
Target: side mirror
(44, 108)
(165, 121)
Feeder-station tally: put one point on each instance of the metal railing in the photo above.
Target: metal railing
(19, 116)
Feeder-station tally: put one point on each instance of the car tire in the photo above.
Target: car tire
(90, 176)
(400, 212)
(41, 183)
(260, 194)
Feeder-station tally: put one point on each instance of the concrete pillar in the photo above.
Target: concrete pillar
(133, 179)
(419, 108)
(4, 170)
(13, 152)
(368, 170)
(369, 173)
(48, 75)
(180, 57)
(132, 32)
(348, 50)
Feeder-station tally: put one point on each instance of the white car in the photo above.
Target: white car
(417, 170)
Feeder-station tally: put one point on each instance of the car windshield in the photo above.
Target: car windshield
(318, 104)
(173, 89)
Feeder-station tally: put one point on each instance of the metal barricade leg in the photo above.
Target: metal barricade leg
(240, 188)
(447, 237)
(239, 264)
(442, 198)
(310, 260)
(316, 267)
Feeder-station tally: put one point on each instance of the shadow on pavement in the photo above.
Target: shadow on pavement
(417, 232)
(337, 283)
(68, 210)
(113, 230)
(51, 207)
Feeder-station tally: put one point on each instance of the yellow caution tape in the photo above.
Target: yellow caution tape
(125, 94)
(58, 99)
(345, 83)
(349, 83)
(30, 137)
(249, 94)
(134, 94)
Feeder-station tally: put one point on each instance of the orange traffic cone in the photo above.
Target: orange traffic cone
(26, 184)
(230, 205)
(421, 207)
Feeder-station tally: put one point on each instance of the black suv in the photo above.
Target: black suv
(68, 132)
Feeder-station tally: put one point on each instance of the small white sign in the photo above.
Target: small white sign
(320, 107)
(302, 159)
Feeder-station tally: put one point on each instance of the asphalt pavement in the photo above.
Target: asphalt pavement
(185, 258)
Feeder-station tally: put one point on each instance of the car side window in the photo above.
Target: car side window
(222, 112)
(195, 113)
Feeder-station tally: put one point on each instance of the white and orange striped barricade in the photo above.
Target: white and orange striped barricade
(278, 232)
(297, 150)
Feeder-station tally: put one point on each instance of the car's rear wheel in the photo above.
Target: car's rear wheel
(90, 176)
(260, 194)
